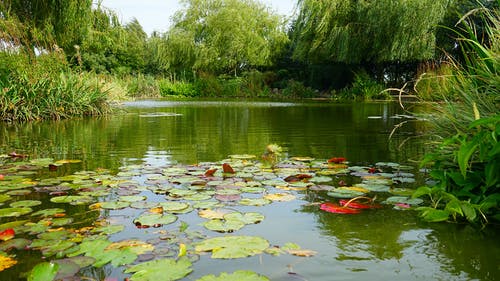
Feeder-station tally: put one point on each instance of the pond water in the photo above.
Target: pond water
(147, 138)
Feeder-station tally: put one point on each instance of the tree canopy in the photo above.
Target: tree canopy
(222, 36)
(363, 31)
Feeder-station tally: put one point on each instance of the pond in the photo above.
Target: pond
(153, 157)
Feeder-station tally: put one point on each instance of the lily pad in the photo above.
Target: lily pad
(247, 218)
(231, 247)
(174, 206)
(4, 198)
(109, 229)
(132, 198)
(43, 271)
(223, 225)
(283, 197)
(162, 269)
(25, 203)
(254, 201)
(403, 200)
(240, 275)
(14, 212)
(111, 205)
(155, 219)
(72, 199)
(48, 212)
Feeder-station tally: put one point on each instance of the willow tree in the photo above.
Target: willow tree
(43, 23)
(365, 31)
(224, 36)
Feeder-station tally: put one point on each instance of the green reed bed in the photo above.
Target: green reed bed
(44, 88)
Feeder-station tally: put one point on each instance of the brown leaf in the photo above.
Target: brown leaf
(227, 168)
(302, 253)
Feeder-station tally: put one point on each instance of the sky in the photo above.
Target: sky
(154, 15)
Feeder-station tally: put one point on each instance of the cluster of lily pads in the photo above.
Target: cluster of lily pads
(67, 218)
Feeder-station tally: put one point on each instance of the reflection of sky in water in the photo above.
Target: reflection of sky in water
(156, 104)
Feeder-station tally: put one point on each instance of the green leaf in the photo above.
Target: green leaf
(14, 212)
(155, 219)
(223, 225)
(43, 271)
(468, 211)
(231, 247)
(247, 218)
(163, 269)
(454, 206)
(467, 148)
(109, 229)
(239, 275)
(25, 203)
(421, 191)
(434, 215)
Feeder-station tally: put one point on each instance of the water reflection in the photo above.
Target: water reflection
(378, 245)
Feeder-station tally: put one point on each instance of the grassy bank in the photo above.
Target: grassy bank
(46, 88)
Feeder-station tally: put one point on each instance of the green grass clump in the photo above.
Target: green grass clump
(45, 88)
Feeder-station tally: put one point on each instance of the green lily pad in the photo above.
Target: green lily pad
(12, 224)
(72, 199)
(223, 225)
(14, 212)
(240, 275)
(320, 179)
(403, 200)
(25, 203)
(162, 269)
(253, 189)
(143, 205)
(116, 205)
(275, 182)
(109, 229)
(254, 201)
(16, 243)
(344, 193)
(48, 212)
(43, 271)
(4, 198)
(54, 235)
(61, 221)
(174, 206)
(19, 192)
(155, 219)
(132, 198)
(117, 257)
(231, 247)
(197, 197)
(247, 218)
(374, 187)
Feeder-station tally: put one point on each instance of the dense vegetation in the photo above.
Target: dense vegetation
(70, 58)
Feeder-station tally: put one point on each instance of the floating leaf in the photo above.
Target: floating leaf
(162, 269)
(357, 205)
(14, 212)
(403, 200)
(254, 201)
(17, 243)
(226, 168)
(247, 218)
(43, 271)
(280, 197)
(72, 199)
(302, 253)
(223, 225)
(240, 275)
(242, 156)
(334, 208)
(320, 179)
(6, 262)
(116, 205)
(109, 229)
(231, 247)
(344, 193)
(132, 198)
(48, 212)
(4, 198)
(7, 234)
(213, 214)
(155, 219)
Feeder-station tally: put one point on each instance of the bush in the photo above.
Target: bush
(363, 88)
(178, 88)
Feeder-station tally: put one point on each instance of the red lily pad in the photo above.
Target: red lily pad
(337, 160)
(334, 208)
(226, 168)
(7, 234)
(357, 205)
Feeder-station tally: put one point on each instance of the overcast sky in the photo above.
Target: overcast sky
(156, 14)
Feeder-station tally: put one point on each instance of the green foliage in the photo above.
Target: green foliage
(363, 88)
(223, 37)
(466, 163)
(45, 22)
(177, 88)
(297, 89)
(46, 89)
(366, 31)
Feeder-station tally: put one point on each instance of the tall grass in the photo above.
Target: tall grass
(45, 88)
(467, 90)
(465, 163)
